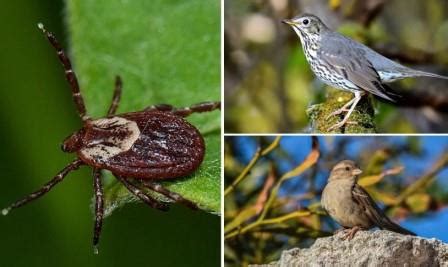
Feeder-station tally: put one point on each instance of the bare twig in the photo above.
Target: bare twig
(425, 180)
(259, 153)
(310, 160)
(373, 179)
(261, 200)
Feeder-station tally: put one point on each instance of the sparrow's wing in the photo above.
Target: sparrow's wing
(374, 212)
(350, 62)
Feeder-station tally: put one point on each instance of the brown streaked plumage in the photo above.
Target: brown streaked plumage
(350, 205)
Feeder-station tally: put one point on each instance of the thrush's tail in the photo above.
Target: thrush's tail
(429, 74)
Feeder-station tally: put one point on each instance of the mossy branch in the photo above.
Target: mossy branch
(361, 120)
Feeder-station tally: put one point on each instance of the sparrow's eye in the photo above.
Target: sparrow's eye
(347, 168)
(305, 22)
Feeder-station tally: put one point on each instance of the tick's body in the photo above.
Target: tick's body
(139, 148)
(146, 145)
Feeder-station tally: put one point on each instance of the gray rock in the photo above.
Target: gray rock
(368, 248)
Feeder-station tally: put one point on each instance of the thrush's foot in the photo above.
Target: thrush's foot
(336, 126)
(340, 124)
(337, 112)
(345, 120)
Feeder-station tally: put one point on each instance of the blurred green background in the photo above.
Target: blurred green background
(269, 85)
(36, 114)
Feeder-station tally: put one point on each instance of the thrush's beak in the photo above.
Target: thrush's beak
(289, 22)
(356, 172)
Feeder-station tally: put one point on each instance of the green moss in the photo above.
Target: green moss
(361, 120)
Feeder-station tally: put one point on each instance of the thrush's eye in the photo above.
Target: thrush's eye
(347, 168)
(305, 22)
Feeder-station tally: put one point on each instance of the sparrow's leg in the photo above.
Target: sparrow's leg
(350, 232)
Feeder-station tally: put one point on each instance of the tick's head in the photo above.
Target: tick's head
(306, 25)
(74, 142)
(345, 169)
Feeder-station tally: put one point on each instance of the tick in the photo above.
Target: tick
(139, 148)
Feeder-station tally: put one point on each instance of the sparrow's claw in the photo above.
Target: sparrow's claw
(350, 232)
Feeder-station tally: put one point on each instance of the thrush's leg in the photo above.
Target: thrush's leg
(344, 108)
(355, 101)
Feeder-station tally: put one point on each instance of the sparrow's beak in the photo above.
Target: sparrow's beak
(289, 22)
(356, 172)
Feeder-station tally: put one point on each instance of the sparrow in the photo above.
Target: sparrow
(350, 205)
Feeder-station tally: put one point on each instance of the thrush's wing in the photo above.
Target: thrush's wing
(382, 63)
(374, 212)
(343, 57)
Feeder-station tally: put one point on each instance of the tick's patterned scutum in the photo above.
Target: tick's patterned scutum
(145, 145)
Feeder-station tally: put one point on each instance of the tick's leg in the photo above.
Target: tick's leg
(184, 112)
(47, 187)
(69, 73)
(171, 195)
(99, 208)
(116, 98)
(153, 203)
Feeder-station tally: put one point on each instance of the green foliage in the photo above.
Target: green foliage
(165, 52)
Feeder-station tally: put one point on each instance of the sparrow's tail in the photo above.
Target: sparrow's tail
(387, 224)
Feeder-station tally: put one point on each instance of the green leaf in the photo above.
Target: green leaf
(419, 202)
(240, 218)
(165, 52)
